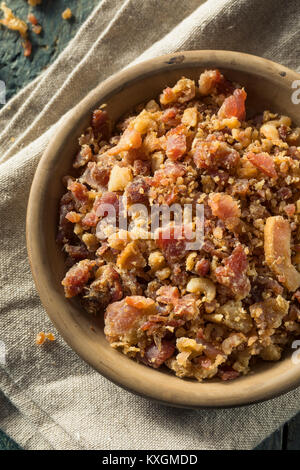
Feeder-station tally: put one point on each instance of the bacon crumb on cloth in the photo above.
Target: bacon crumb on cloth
(42, 337)
(215, 310)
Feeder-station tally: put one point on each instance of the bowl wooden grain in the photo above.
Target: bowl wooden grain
(269, 86)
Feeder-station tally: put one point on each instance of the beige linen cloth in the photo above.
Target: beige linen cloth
(50, 398)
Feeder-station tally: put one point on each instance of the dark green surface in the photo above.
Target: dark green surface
(17, 71)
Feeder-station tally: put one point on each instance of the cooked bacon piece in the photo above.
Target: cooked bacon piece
(172, 241)
(79, 191)
(77, 252)
(202, 267)
(176, 143)
(277, 248)
(297, 295)
(32, 19)
(122, 320)
(264, 162)
(203, 361)
(155, 356)
(209, 80)
(168, 175)
(131, 139)
(108, 199)
(153, 323)
(234, 273)
(171, 117)
(234, 106)
(137, 192)
(210, 350)
(186, 307)
(99, 118)
(77, 277)
(290, 209)
(183, 91)
(13, 22)
(90, 219)
(268, 283)
(106, 288)
(84, 156)
(96, 176)
(168, 295)
(269, 313)
(139, 302)
(142, 167)
(27, 48)
(215, 154)
(227, 373)
(73, 217)
(223, 206)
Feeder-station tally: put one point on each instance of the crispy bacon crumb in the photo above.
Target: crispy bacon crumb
(212, 309)
(42, 337)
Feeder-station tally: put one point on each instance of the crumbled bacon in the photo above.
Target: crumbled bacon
(172, 241)
(137, 192)
(108, 199)
(202, 267)
(278, 252)
(167, 175)
(142, 167)
(223, 206)
(209, 80)
(215, 154)
(131, 139)
(167, 295)
(95, 176)
(186, 307)
(77, 252)
(264, 162)
(155, 356)
(234, 105)
(234, 273)
(290, 209)
(77, 277)
(27, 48)
(90, 219)
(79, 191)
(83, 156)
(176, 143)
(170, 117)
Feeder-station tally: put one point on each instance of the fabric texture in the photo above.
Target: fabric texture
(50, 398)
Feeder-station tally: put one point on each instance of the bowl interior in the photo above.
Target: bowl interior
(269, 87)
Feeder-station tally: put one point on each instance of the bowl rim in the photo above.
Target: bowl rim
(278, 385)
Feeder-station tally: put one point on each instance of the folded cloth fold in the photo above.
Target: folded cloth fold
(51, 399)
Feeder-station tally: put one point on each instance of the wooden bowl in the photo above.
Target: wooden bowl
(269, 86)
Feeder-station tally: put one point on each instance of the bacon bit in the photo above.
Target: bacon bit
(277, 248)
(131, 139)
(155, 356)
(215, 154)
(234, 106)
(12, 22)
(42, 337)
(167, 96)
(82, 157)
(168, 295)
(90, 219)
(27, 48)
(172, 241)
(37, 29)
(170, 117)
(142, 167)
(290, 209)
(32, 19)
(202, 267)
(153, 323)
(171, 197)
(77, 277)
(210, 350)
(176, 143)
(139, 302)
(108, 198)
(121, 318)
(79, 191)
(209, 80)
(186, 307)
(73, 217)
(264, 162)
(227, 373)
(137, 192)
(77, 252)
(34, 3)
(67, 14)
(233, 273)
(95, 176)
(223, 206)
(99, 118)
(167, 175)
(297, 296)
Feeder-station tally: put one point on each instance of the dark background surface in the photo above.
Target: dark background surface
(16, 71)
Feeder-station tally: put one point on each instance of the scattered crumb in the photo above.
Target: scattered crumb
(41, 337)
(33, 3)
(12, 22)
(67, 14)
(27, 48)
(36, 27)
